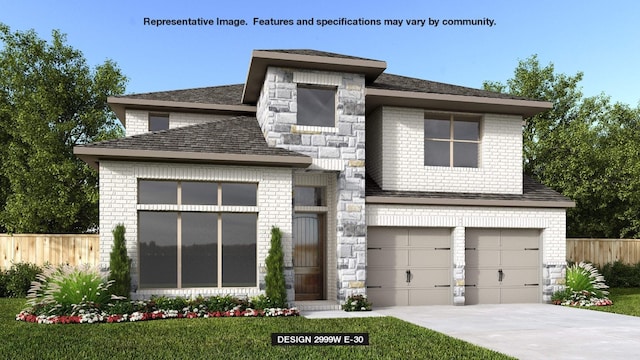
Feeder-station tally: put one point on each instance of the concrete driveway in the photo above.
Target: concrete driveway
(525, 331)
(531, 331)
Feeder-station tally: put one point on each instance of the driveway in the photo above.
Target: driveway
(531, 331)
(525, 331)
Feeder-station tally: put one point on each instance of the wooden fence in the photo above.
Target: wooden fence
(602, 251)
(54, 249)
(84, 248)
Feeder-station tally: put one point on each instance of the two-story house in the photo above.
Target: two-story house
(438, 212)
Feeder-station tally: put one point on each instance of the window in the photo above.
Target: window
(316, 106)
(451, 140)
(308, 196)
(158, 122)
(179, 249)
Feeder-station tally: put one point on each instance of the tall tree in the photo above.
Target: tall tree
(585, 148)
(50, 101)
(533, 81)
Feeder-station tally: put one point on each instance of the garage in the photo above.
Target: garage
(502, 266)
(409, 266)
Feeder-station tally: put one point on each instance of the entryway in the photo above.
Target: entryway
(309, 231)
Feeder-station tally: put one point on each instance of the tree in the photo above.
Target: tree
(532, 81)
(275, 285)
(585, 148)
(50, 101)
(119, 264)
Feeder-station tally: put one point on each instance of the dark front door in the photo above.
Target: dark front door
(308, 245)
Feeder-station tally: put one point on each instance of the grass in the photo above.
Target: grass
(625, 301)
(225, 338)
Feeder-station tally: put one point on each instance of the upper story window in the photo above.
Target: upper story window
(158, 122)
(317, 106)
(451, 140)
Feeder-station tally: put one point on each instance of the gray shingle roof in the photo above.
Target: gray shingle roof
(532, 191)
(402, 83)
(235, 135)
(224, 95)
(312, 52)
(232, 94)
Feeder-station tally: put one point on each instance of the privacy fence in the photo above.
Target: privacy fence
(53, 249)
(602, 251)
(84, 248)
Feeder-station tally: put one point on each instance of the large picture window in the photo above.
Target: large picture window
(182, 249)
(316, 106)
(451, 140)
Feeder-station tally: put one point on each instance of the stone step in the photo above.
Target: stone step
(318, 305)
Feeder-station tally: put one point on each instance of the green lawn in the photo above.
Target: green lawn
(224, 338)
(625, 301)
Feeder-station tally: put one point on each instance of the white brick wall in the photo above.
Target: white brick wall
(138, 120)
(551, 221)
(402, 131)
(374, 145)
(118, 204)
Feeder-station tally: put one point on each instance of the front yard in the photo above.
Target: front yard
(626, 301)
(225, 338)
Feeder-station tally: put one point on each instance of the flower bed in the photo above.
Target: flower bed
(90, 317)
(74, 295)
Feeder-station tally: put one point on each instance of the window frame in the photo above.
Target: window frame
(217, 210)
(153, 116)
(333, 89)
(451, 140)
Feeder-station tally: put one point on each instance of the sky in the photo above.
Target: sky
(600, 39)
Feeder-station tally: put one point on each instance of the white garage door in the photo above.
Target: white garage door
(502, 266)
(408, 266)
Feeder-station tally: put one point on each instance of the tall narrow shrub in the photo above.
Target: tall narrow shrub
(120, 264)
(275, 285)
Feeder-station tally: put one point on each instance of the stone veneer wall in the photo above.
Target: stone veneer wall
(552, 222)
(339, 149)
(118, 204)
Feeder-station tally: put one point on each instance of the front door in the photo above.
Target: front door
(308, 245)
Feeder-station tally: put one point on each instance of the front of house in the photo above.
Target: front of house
(440, 212)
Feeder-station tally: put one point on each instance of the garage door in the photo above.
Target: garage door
(502, 266)
(408, 266)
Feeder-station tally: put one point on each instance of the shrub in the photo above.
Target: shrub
(3, 284)
(261, 302)
(120, 264)
(274, 279)
(67, 289)
(19, 277)
(621, 275)
(357, 303)
(585, 277)
(584, 287)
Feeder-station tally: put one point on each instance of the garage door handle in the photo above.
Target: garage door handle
(531, 284)
(374, 248)
(500, 275)
(531, 249)
(442, 248)
(408, 276)
(470, 248)
(441, 285)
(374, 287)
(474, 285)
